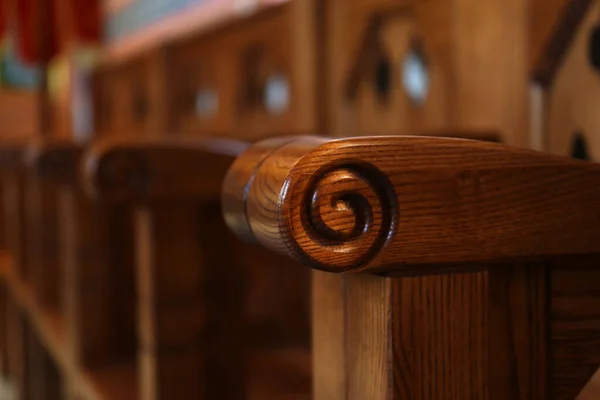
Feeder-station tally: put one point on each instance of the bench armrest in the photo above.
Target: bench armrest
(399, 203)
(151, 169)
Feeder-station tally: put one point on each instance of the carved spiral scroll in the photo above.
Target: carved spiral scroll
(347, 215)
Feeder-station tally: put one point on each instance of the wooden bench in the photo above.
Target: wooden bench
(443, 268)
(198, 332)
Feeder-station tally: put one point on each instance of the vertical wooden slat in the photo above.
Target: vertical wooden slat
(17, 355)
(518, 311)
(15, 221)
(439, 337)
(189, 305)
(368, 342)
(42, 242)
(99, 290)
(328, 332)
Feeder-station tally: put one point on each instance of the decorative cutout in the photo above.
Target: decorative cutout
(594, 47)
(382, 79)
(140, 103)
(415, 76)
(206, 102)
(276, 95)
(579, 147)
(253, 85)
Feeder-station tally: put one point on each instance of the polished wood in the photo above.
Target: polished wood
(344, 205)
(518, 320)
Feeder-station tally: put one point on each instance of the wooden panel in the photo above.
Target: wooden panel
(19, 113)
(575, 325)
(474, 55)
(17, 356)
(42, 225)
(440, 337)
(133, 98)
(13, 192)
(518, 309)
(4, 345)
(97, 248)
(205, 81)
(189, 316)
(573, 95)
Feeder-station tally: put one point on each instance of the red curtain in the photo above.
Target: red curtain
(87, 17)
(36, 33)
(44, 28)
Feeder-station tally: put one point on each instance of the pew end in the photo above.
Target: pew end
(462, 268)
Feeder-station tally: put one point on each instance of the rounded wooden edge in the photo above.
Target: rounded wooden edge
(54, 159)
(239, 179)
(111, 170)
(332, 205)
(125, 168)
(12, 153)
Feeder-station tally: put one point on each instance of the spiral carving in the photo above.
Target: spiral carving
(121, 172)
(348, 213)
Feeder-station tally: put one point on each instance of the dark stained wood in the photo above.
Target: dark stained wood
(17, 356)
(142, 169)
(97, 250)
(190, 318)
(54, 160)
(575, 324)
(42, 242)
(379, 204)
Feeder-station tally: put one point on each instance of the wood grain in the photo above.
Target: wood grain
(394, 203)
(440, 337)
(575, 324)
(328, 330)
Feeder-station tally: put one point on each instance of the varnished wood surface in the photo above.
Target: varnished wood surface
(141, 169)
(381, 204)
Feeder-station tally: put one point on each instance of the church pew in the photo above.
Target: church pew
(197, 310)
(95, 319)
(13, 254)
(442, 268)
